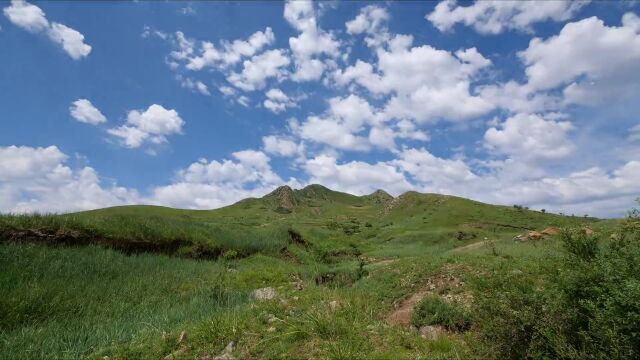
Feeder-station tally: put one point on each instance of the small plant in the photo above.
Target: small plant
(230, 255)
(432, 310)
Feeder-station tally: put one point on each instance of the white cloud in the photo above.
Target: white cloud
(517, 97)
(434, 173)
(631, 21)
(355, 177)
(230, 52)
(382, 137)
(33, 19)
(333, 133)
(341, 125)
(312, 42)
(282, 146)
(590, 61)
(37, 179)
(71, 40)
(258, 69)
(195, 85)
(84, 111)
(26, 16)
(496, 16)
(277, 101)
(530, 136)
(152, 125)
(372, 20)
(426, 84)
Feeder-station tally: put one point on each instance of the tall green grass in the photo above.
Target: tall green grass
(146, 233)
(73, 302)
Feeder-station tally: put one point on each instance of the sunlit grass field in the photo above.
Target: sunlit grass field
(127, 282)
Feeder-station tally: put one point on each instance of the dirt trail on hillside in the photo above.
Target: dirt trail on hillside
(402, 315)
(445, 280)
(474, 245)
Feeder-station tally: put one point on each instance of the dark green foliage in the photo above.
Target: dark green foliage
(432, 310)
(587, 305)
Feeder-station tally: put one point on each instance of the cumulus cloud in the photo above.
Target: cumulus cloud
(312, 43)
(342, 125)
(84, 111)
(33, 19)
(282, 146)
(152, 125)
(37, 179)
(530, 136)
(427, 84)
(355, 177)
(229, 52)
(277, 101)
(372, 20)
(26, 16)
(258, 69)
(496, 16)
(590, 61)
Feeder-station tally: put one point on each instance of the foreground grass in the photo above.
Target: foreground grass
(73, 302)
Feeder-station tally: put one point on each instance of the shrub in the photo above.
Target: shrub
(432, 310)
(586, 305)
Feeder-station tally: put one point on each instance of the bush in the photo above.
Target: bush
(432, 310)
(586, 305)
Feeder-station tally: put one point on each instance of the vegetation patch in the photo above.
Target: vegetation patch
(433, 310)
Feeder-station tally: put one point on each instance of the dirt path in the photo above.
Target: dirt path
(474, 245)
(402, 315)
(446, 279)
(383, 262)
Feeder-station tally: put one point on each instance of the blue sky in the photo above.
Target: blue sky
(201, 104)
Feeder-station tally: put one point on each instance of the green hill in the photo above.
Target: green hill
(125, 282)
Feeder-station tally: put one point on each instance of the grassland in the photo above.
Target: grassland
(126, 282)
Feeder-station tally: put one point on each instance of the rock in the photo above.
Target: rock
(265, 294)
(430, 332)
(272, 318)
(226, 353)
(224, 357)
(334, 305)
(551, 231)
(178, 354)
(182, 338)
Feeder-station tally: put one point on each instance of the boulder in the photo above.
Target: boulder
(431, 332)
(534, 235)
(334, 305)
(265, 294)
(551, 231)
(226, 353)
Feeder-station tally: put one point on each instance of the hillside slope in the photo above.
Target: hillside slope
(348, 273)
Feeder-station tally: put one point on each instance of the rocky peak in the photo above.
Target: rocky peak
(285, 196)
